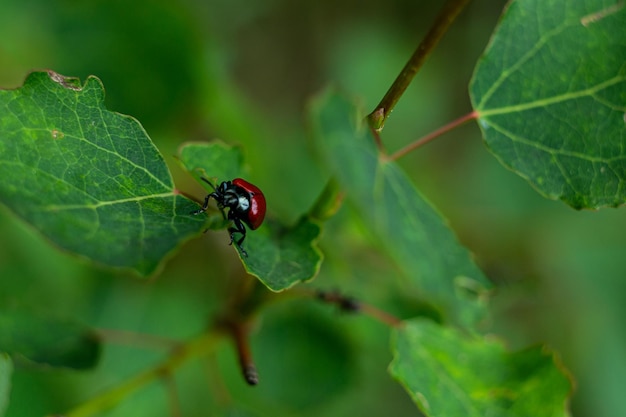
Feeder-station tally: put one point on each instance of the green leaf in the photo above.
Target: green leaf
(48, 340)
(6, 370)
(405, 223)
(448, 374)
(278, 255)
(284, 255)
(215, 160)
(550, 93)
(88, 179)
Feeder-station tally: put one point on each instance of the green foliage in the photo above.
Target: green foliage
(440, 369)
(214, 161)
(549, 97)
(47, 341)
(279, 256)
(283, 255)
(88, 179)
(550, 92)
(405, 223)
(450, 374)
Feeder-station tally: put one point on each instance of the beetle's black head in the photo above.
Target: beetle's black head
(235, 198)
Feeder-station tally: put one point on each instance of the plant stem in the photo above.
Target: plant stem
(445, 18)
(381, 315)
(351, 305)
(196, 347)
(425, 139)
(328, 202)
(239, 333)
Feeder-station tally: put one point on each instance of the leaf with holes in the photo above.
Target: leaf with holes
(279, 256)
(448, 373)
(88, 179)
(550, 93)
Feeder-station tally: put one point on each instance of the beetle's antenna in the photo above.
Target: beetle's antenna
(209, 182)
(206, 200)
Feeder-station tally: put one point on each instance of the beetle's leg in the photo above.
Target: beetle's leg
(239, 228)
(221, 207)
(204, 206)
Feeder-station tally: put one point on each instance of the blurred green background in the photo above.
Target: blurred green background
(242, 71)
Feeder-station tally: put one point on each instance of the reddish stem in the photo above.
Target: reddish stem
(351, 305)
(425, 139)
(380, 315)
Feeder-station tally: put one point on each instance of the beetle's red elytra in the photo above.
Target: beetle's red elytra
(256, 214)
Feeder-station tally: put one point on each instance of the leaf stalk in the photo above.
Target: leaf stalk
(435, 134)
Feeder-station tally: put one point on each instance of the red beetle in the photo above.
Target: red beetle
(245, 203)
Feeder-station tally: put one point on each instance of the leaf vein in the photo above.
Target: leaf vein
(520, 62)
(591, 91)
(59, 207)
(553, 151)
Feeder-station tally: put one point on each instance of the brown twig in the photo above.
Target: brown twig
(239, 331)
(445, 18)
